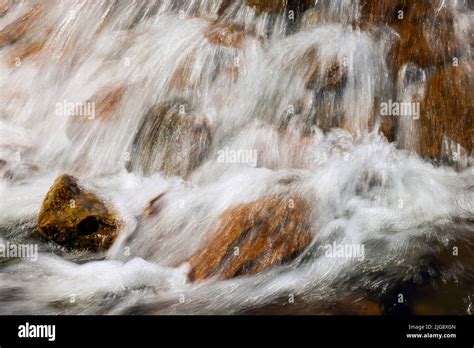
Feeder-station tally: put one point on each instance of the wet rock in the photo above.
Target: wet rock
(226, 39)
(103, 106)
(266, 5)
(312, 18)
(25, 51)
(322, 104)
(223, 34)
(5, 6)
(154, 205)
(332, 77)
(328, 11)
(388, 126)
(426, 33)
(76, 218)
(108, 100)
(388, 11)
(181, 80)
(447, 110)
(16, 30)
(253, 237)
(270, 6)
(171, 139)
(322, 76)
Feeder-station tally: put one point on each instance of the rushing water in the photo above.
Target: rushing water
(363, 190)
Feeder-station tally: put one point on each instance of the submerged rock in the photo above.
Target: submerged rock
(223, 34)
(253, 237)
(225, 41)
(333, 77)
(171, 139)
(76, 218)
(26, 50)
(16, 170)
(17, 29)
(5, 6)
(180, 79)
(108, 100)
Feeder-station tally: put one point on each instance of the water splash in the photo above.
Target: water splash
(302, 96)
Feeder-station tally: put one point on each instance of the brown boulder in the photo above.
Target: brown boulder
(75, 218)
(447, 110)
(426, 33)
(170, 139)
(252, 237)
(227, 35)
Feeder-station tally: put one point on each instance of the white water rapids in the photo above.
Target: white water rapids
(362, 189)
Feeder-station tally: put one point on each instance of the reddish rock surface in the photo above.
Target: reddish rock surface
(253, 237)
(447, 110)
(227, 35)
(426, 34)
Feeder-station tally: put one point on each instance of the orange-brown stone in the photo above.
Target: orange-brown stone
(253, 237)
(426, 34)
(223, 34)
(447, 110)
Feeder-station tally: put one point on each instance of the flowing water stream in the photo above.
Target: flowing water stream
(363, 190)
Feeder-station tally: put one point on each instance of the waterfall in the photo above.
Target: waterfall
(215, 104)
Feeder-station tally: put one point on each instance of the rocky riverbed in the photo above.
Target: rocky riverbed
(236, 157)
